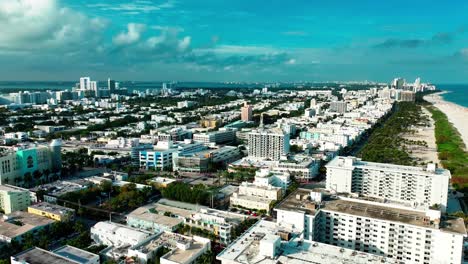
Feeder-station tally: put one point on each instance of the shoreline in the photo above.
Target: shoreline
(456, 114)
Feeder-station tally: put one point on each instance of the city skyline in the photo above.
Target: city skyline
(48, 40)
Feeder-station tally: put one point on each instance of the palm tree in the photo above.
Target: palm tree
(46, 173)
(28, 178)
(37, 175)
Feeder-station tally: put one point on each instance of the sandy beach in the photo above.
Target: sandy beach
(425, 133)
(457, 115)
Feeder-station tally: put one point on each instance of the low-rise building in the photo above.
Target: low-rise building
(220, 223)
(205, 160)
(66, 255)
(252, 196)
(13, 199)
(52, 211)
(14, 226)
(181, 249)
(148, 218)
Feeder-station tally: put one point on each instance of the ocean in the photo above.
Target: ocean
(457, 93)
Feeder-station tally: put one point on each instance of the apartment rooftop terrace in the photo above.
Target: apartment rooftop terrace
(300, 201)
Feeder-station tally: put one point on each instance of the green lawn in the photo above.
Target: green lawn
(450, 146)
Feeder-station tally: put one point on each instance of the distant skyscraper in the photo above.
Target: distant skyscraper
(111, 85)
(246, 112)
(85, 83)
(398, 83)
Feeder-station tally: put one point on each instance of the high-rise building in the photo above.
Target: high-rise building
(85, 83)
(398, 83)
(111, 85)
(404, 234)
(268, 144)
(411, 185)
(246, 112)
(338, 107)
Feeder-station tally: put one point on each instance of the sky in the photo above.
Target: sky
(241, 40)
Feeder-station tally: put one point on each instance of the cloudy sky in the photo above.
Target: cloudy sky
(241, 40)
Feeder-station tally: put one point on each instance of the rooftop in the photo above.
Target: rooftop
(11, 188)
(40, 256)
(173, 241)
(52, 208)
(299, 201)
(350, 162)
(246, 249)
(144, 213)
(75, 254)
(18, 223)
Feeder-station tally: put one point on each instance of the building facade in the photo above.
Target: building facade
(414, 185)
(268, 144)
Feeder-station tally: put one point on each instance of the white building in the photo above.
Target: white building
(414, 185)
(224, 135)
(404, 234)
(258, 195)
(182, 249)
(265, 178)
(13, 199)
(268, 144)
(116, 235)
(269, 243)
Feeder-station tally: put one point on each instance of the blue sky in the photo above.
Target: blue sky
(215, 40)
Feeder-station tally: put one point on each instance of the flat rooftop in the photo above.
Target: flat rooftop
(75, 254)
(188, 211)
(340, 163)
(144, 213)
(20, 222)
(299, 201)
(40, 256)
(170, 241)
(11, 188)
(246, 249)
(52, 208)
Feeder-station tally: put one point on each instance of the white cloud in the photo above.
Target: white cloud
(131, 36)
(134, 7)
(28, 25)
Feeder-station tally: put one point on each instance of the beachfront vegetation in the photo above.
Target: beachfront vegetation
(450, 147)
(386, 143)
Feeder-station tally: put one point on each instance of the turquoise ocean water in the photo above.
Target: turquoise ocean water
(457, 93)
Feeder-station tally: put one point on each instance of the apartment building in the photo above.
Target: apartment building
(13, 199)
(52, 211)
(268, 243)
(405, 234)
(268, 144)
(413, 185)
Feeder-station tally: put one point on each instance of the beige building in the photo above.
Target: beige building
(246, 112)
(13, 199)
(255, 197)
